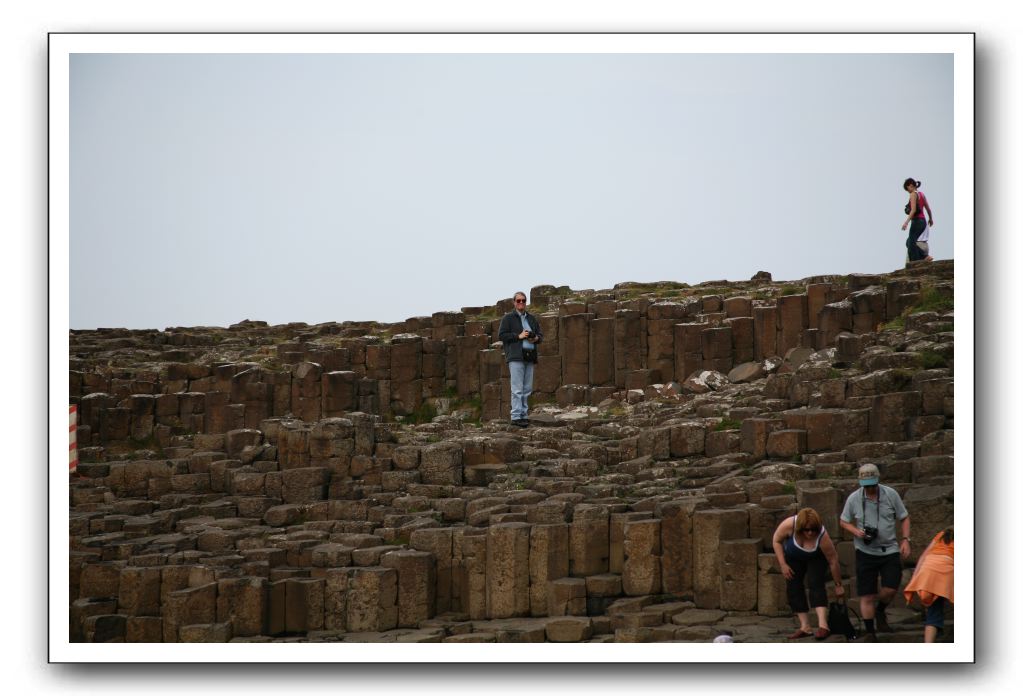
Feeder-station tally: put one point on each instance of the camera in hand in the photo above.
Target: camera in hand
(869, 534)
(530, 336)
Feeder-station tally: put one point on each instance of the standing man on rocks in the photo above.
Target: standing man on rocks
(520, 332)
(871, 515)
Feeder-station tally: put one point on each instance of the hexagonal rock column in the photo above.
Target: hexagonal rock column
(305, 485)
(890, 415)
(372, 596)
(833, 319)
(243, 602)
(792, 319)
(192, 605)
(710, 528)
(417, 584)
(677, 544)
(765, 329)
(771, 597)
(641, 573)
(661, 320)
(574, 335)
(589, 541)
(296, 605)
(339, 393)
(438, 543)
(716, 344)
(139, 591)
(738, 567)
(566, 597)
(467, 377)
(616, 536)
(784, 444)
(742, 338)
(469, 583)
(754, 433)
(306, 391)
(602, 367)
(687, 439)
(569, 630)
(548, 560)
(629, 347)
(441, 464)
(100, 579)
(508, 570)
(335, 598)
(816, 298)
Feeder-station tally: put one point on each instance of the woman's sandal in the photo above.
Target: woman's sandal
(822, 633)
(800, 633)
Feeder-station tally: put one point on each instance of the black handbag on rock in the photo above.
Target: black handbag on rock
(838, 620)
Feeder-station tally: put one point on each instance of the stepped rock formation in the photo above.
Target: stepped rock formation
(359, 481)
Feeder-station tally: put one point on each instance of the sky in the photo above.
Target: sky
(210, 188)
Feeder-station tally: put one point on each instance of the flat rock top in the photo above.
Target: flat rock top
(693, 617)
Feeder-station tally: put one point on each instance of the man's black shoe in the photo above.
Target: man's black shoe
(882, 623)
(521, 422)
(866, 638)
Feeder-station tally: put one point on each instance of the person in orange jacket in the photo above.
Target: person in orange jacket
(932, 581)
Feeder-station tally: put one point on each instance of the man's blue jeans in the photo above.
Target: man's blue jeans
(521, 387)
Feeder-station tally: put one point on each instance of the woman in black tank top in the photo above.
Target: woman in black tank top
(805, 550)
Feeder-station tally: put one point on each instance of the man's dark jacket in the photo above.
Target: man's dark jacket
(511, 327)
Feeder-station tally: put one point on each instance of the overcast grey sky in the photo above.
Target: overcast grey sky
(207, 189)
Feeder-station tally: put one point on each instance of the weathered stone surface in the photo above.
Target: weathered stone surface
(566, 597)
(785, 444)
(469, 588)
(100, 580)
(890, 414)
(548, 560)
(738, 567)
(696, 617)
(192, 605)
(687, 439)
(441, 464)
(710, 529)
(705, 380)
(508, 570)
(372, 599)
(641, 573)
(569, 630)
(417, 585)
(139, 591)
(589, 541)
(746, 372)
(677, 544)
(243, 603)
(278, 496)
(754, 434)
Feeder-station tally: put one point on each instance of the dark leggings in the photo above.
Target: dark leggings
(813, 569)
(916, 228)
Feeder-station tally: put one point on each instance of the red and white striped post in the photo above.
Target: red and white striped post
(73, 437)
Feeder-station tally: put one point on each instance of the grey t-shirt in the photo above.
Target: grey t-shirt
(883, 513)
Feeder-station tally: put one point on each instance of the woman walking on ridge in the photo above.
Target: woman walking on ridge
(933, 581)
(919, 229)
(804, 549)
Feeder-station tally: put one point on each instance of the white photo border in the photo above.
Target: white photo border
(63, 45)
